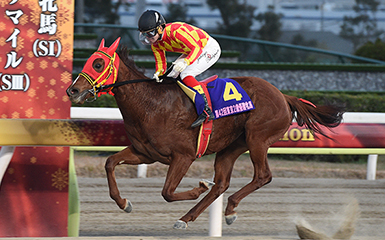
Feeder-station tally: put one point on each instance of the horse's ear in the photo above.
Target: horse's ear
(113, 46)
(101, 45)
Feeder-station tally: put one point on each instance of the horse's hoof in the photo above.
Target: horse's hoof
(231, 218)
(180, 225)
(207, 183)
(128, 207)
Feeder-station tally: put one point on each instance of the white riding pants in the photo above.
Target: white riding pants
(210, 55)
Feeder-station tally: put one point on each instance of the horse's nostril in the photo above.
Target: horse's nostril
(72, 91)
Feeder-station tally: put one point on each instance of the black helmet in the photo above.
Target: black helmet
(149, 20)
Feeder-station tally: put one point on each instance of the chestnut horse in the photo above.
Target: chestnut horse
(157, 118)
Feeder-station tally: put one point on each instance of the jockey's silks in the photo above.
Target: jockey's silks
(182, 38)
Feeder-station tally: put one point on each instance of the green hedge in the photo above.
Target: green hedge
(298, 66)
(104, 100)
(352, 101)
(85, 36)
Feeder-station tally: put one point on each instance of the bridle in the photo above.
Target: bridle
(110, 73)
(112, 70)
(98, 86)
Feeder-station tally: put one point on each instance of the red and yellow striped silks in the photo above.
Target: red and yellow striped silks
(182, 38)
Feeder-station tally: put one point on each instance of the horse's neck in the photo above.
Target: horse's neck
(134, 99)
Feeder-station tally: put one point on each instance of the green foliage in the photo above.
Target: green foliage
(103, 11)
(298, 39)
(290, 55)
(372, 50)
(237, 18)
(105, 100)
(352, 101)
(178, 13)
(271, 25)
(85, 36)
(362, 27)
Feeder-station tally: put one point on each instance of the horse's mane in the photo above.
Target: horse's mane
(124, 55)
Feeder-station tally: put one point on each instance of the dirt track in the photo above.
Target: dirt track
(270, 211)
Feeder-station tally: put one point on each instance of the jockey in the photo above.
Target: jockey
(199, 52)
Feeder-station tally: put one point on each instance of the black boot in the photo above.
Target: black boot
(207, 113)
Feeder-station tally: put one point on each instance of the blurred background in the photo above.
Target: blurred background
(347, 26)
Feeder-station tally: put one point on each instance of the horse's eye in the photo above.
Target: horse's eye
(97, 65)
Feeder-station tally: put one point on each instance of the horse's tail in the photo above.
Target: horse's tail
(306, 113)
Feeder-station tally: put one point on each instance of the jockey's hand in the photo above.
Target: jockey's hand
(173, 74)
(156, 77)
(179, 66)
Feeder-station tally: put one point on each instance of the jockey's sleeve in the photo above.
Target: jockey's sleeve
(191, 43)
(160, 60)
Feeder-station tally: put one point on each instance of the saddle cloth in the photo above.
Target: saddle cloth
(227, 98)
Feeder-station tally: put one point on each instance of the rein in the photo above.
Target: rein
(118, 84)
(97, 89)
(97, 84)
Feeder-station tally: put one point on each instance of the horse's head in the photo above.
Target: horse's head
(100, 70)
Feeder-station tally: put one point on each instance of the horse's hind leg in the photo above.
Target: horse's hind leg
(262, 176)
(126, 156)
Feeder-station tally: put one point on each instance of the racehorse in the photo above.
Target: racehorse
(158, 117)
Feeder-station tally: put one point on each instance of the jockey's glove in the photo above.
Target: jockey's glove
(156, 77)
(179, 66)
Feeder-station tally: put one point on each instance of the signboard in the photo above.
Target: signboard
(36, 45)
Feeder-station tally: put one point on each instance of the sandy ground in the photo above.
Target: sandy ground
(269, 213)
(91, 164)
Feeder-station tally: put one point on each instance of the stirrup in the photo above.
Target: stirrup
(209, 113)
(204, 115)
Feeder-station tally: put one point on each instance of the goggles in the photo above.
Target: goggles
(150, 33)
(146, 38)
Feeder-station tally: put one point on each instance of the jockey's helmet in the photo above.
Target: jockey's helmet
(150, 20)
(148, 25)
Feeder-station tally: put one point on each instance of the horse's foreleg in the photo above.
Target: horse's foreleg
(224, 163)
(262, 176)
(126, 156)
(178, 168)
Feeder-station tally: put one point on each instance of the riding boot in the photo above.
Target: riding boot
(207, 113)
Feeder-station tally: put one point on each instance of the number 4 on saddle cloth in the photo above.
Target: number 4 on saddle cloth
(227, 98)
